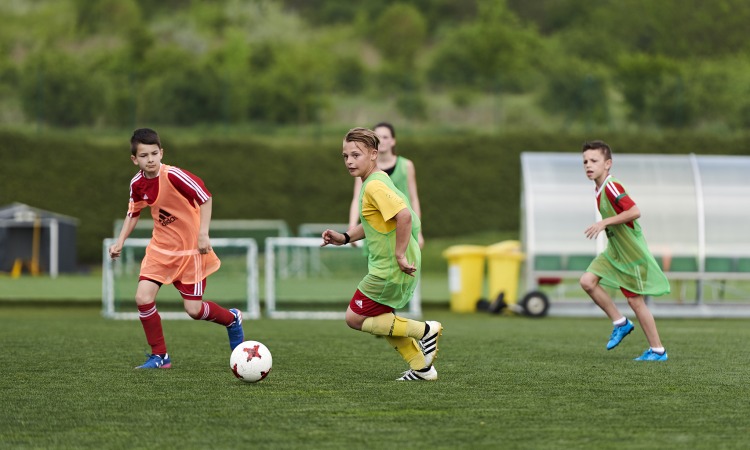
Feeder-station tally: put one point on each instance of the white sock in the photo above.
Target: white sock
(659, 350)
(620, 322)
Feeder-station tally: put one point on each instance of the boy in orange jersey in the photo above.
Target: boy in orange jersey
(180, 251)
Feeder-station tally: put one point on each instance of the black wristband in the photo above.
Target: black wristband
(346, 238)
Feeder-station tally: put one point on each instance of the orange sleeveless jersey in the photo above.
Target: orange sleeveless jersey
(172, 253)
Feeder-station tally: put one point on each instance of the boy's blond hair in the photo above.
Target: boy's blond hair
(366, 137)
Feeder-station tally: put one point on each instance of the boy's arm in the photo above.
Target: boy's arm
(204, 243)
(127, 227)
(624, 217)
(403, 235)
(334, 237)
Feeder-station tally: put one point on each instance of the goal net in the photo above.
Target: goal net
(234, 285)
(258, 229)
(306, 281)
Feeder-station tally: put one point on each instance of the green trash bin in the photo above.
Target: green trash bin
(465, 276)
(504, 269)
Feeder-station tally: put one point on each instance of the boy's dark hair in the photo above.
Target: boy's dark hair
(366, 137)
(598, 145)
(145, 136)
(390, 127)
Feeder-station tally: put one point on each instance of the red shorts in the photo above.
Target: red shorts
(187, 291)
(628, 294)
(369, 308)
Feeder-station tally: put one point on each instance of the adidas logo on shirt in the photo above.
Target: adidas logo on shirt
(165, 218)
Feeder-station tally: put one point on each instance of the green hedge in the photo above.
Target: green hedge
(467, 183)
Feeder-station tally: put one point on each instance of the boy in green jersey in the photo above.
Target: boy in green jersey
(626, 263)
(391, 228)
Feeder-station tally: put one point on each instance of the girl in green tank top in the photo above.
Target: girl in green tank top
(399, 176)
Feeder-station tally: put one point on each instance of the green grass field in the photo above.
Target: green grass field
(505, 382)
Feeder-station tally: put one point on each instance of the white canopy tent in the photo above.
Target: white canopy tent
(694, 210)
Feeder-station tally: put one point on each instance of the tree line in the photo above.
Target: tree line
(671, 63)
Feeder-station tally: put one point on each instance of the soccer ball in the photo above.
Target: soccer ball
(250, 361)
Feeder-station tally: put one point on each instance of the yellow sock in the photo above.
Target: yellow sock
(409, 350)
(390, 324)
(379, 325)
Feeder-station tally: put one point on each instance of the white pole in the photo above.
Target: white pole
(700, 206)
(270, 244)
(527, 202)
(54, 248)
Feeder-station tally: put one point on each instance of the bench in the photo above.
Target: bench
(552, 269)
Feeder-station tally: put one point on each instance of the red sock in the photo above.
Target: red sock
(151, 321)
(212, 312)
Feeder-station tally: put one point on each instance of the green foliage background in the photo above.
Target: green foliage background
(254, 96)
(467, 183)
(628, 63)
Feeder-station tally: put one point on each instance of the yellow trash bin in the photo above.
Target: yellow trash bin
(504, 269)
(465, 275)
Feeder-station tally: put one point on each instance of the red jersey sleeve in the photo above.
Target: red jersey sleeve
(189, 185)
(617, 196)
(137, 195)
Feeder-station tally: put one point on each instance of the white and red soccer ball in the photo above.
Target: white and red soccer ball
(251, 361)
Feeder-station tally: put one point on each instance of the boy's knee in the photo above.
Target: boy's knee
(635, 301)
(143, 299)
(353, 320)
(352, 323)
(193, 309)
(588, 281)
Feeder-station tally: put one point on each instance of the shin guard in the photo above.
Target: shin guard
(391, 325)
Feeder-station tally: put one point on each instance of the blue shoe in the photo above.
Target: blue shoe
(619, 333)
(235, 332)
(156, 362)
(650, 355)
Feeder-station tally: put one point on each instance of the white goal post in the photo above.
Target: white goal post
(235, 283)
(310, 272)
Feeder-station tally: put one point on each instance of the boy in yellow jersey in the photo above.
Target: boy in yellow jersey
(180, 251)
(400, 169)
(391, 228)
